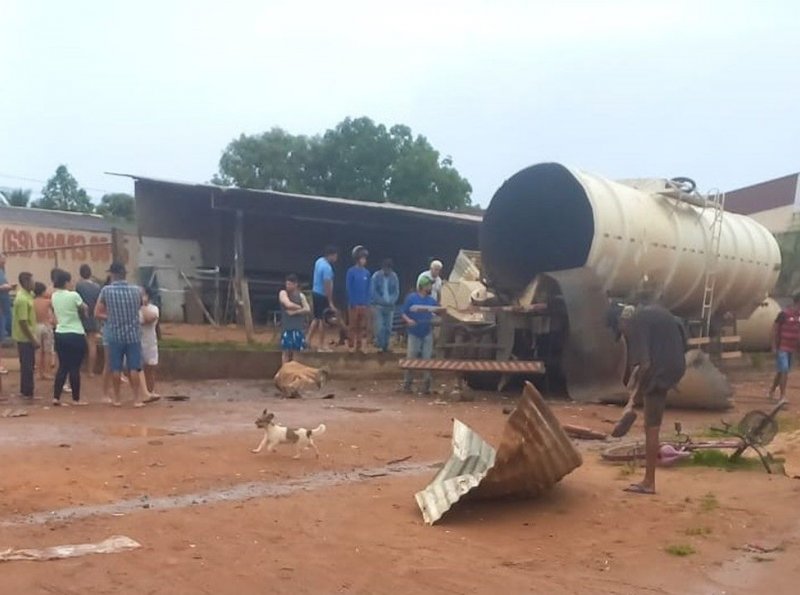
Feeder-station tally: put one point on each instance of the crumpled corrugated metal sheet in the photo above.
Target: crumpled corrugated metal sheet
(534, 454)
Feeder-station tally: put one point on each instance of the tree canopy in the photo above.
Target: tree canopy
(19, 197)
(117, 205)
(62, 193)
(357, 159)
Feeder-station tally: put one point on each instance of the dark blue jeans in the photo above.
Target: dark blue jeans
(384, 315)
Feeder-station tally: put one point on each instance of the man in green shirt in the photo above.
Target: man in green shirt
(22, 331)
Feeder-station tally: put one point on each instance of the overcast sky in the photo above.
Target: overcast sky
(710, 90)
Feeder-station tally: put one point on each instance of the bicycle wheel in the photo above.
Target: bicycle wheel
(622, 453)
(758, 428)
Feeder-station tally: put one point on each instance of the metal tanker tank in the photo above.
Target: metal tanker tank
(756, 331)
(550, 218)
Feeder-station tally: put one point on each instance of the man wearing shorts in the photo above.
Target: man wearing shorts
(656, 344)
(322, 294)
(121, 303)
(785, 341)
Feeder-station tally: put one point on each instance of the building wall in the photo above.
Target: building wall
(765, 196)
(38, 249)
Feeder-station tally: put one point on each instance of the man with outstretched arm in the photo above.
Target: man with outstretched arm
(656, 344)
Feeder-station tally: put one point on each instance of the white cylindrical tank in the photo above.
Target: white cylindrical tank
(549, 217)
(755, 332)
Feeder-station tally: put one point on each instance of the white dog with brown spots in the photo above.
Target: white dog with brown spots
(275, 434)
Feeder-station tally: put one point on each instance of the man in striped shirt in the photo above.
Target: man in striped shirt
(120, 302)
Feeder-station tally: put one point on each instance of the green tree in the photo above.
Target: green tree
(62, 193)
(117, 205)
(19, 197)
(357, 159)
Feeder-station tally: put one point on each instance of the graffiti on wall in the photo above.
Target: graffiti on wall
(49, 245)
(38, 250)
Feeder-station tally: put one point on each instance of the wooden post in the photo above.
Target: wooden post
(240, 283)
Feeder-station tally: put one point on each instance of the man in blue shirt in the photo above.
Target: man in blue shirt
(384, 291)
(358, 278)
(120, 303)
(322, 295)
(418, 315)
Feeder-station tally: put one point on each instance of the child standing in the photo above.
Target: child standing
(294, 309)
(148, 316)
(43, 306)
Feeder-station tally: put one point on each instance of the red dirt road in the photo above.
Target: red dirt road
(335, 530)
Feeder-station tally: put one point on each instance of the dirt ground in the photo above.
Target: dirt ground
(179, 478)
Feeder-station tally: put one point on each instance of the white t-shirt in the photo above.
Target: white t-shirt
(149, 338)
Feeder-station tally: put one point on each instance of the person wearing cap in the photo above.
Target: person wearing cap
(120, 303)
(358, 298)
(384, 292)
(434, 273)
(656, 348)
(418, 316)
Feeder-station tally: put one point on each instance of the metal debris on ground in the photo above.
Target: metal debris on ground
(534, 454)
(112, 545)
(15, 413)
(583, 433)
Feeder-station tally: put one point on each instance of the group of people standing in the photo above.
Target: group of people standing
(69, 320)
(371, 302)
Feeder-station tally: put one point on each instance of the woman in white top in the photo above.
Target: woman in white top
(148, 317)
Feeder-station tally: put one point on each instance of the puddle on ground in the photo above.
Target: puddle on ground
(137, 431)
(236, 493)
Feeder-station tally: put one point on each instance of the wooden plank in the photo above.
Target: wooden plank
(197, 298)
(697, 341)
(730, 340)
(730, 355)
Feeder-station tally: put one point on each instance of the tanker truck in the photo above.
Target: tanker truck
(557, 245)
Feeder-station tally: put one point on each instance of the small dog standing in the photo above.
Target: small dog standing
(275, 434)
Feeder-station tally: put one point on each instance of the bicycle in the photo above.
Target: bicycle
(755, 430)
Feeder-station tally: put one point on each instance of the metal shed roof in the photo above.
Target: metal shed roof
(246, 198)
(54, 219)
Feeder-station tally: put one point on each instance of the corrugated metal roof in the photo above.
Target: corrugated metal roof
(534, 454)
(54, 219)
(266, 194)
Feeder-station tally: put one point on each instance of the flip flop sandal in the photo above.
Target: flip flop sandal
(635, 488)
(624, 424)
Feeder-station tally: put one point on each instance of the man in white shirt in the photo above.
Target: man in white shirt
(435, 275)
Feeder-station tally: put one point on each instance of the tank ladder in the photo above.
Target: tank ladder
(715, 201)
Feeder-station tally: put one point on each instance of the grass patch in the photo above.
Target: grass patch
(183, 345)
(681, 550)
(697, 531)
(709, 502)
(627, 470)
(716, 459)
(757, 361)
(788, 422)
